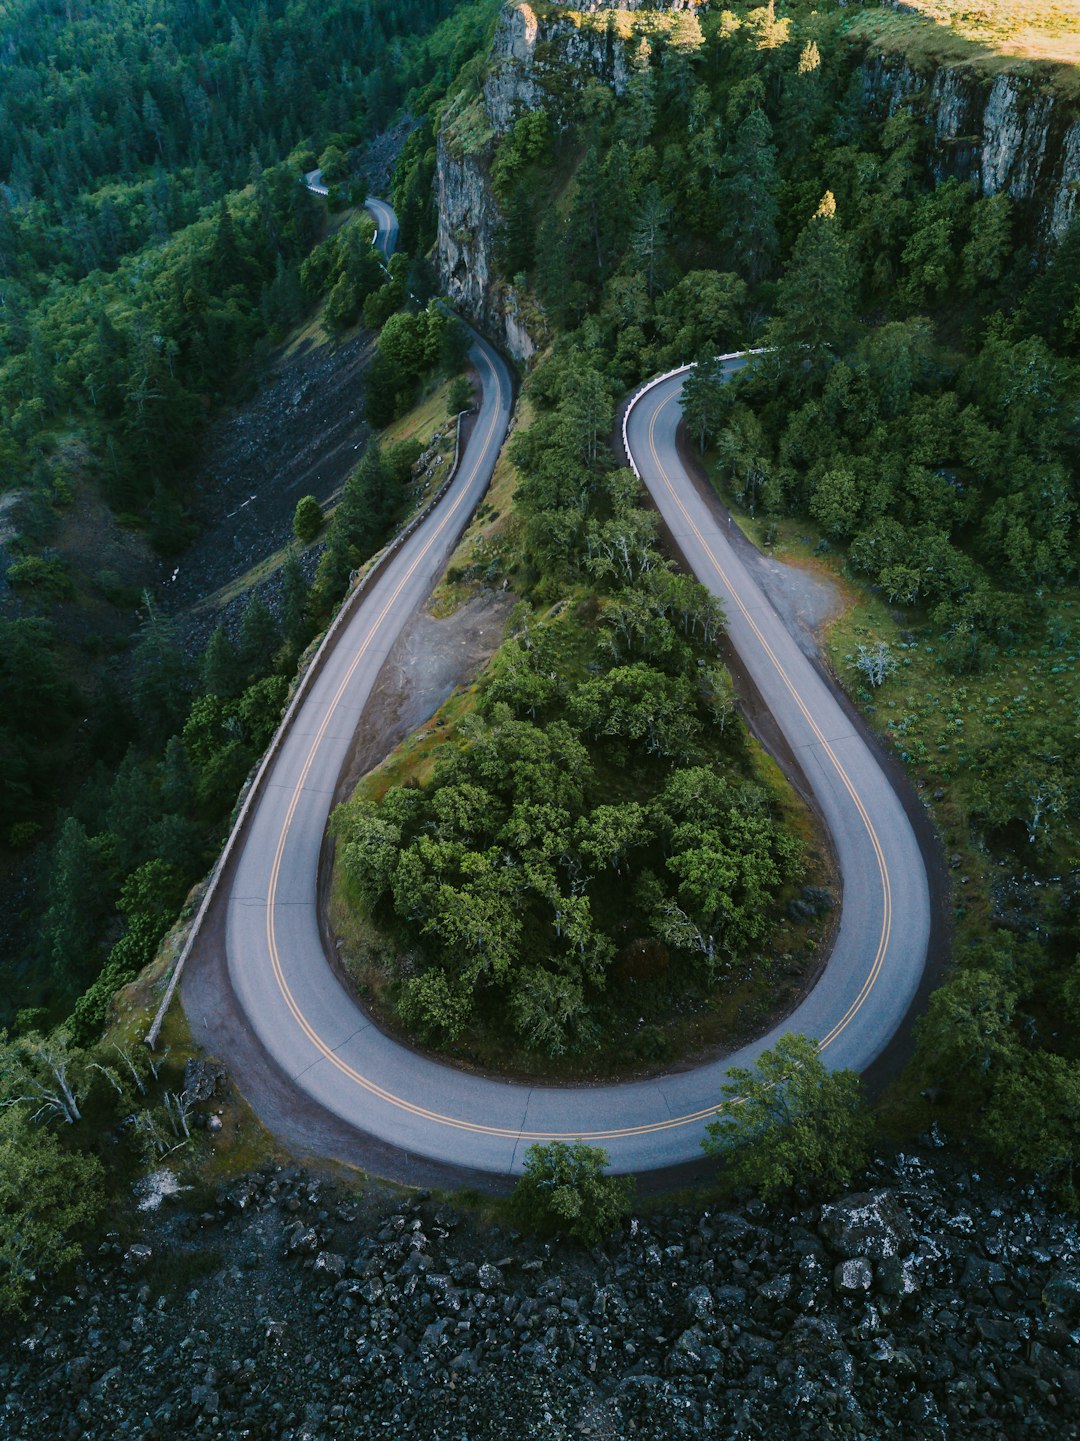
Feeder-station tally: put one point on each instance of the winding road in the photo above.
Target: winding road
(321, 1040)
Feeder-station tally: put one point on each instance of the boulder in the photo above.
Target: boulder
(330, 1262)
(869, 1224)
(1061, 1296)
(489, 1277)
(854, 1277)
(305, 1240)
(204, 1079)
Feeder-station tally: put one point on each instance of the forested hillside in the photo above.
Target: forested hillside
(155, 241)
(648, 188)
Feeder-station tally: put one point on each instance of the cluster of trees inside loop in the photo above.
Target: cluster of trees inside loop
(598, 795)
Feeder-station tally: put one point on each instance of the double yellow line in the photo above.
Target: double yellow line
(516, 1133)
(883, 869)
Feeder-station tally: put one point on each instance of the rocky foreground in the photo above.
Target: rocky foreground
(293, 1308)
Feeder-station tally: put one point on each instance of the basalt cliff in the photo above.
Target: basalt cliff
(1004, 133)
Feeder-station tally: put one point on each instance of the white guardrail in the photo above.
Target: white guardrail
(348, 607)
(669, 375)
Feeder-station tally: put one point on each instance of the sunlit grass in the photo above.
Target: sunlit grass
(996, 35)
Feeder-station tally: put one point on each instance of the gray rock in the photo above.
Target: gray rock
(243, 1193)
(1061, 1296)
(699, 1302)
(330, 1262)
(854, 1276)
(139, 1254)
(980, 1274)
(779, 1288)
(895, 1277)
(204, 1079)
(304, 1240)
(869, 1223)
(489, 1277)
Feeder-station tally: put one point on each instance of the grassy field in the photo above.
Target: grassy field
(1035, 29)
(990, 36)
(938, 722)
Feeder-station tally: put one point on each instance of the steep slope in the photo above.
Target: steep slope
(1006, 129)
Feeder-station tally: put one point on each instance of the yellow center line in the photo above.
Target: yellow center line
(886, 887)
(424, 1112)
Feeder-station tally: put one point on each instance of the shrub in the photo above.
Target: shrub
(792, 1122)
(47, 1196)
(461, 395)
(564, 1189)
(307, 519)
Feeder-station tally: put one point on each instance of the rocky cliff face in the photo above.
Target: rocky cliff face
(530, 52)
(1006, 135)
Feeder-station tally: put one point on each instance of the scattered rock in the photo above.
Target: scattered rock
(331, 1263)
(854, 1276)
(203, 1079)
(313, 1311)
(869, 1224)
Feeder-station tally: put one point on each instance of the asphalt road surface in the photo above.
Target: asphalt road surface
(385, 218)
(321, 1039)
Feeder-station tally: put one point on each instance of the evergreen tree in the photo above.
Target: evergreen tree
(226, 262)
(748, 200)
(294, 600)
(257, 642)
(817, 298)
(78, 899)
(221, 671)
(159, 682)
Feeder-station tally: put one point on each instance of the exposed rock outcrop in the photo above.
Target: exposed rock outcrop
(1006, 133)
(531, 58)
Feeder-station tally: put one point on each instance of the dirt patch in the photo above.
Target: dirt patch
(430, 659)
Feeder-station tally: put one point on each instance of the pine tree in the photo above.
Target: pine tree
(257, 641)
(78, 898)
(294, 599)
(817, 298)
(159, 675)
(226, 263)
(748, 197)
(221, 672)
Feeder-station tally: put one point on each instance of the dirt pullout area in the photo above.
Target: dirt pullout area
(430, 659)
(301, 434)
